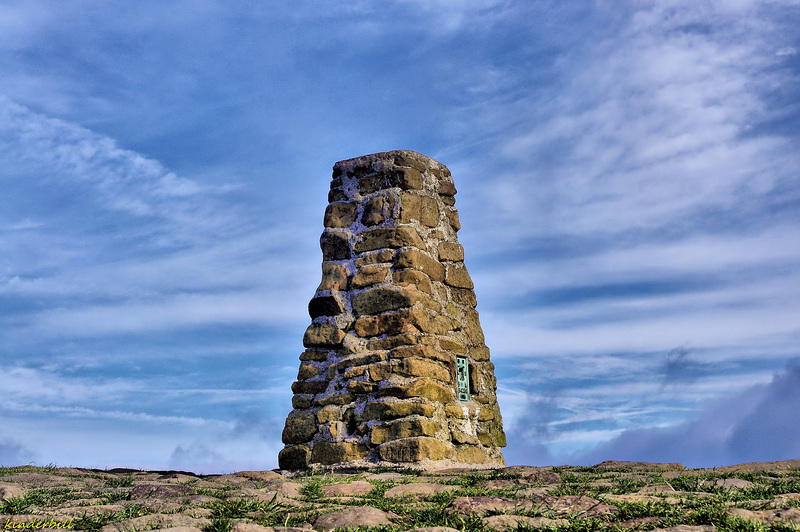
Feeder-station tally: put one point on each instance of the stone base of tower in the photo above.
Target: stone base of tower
(396, 371)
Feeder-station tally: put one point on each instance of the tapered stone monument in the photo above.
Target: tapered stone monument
(395, 371)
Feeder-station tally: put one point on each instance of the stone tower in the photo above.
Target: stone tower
(395, 369)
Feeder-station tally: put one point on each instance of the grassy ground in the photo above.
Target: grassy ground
(644, 499)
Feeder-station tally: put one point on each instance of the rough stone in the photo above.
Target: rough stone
(420, 208)
(307, 371)
(369, 275)
(419, 489)
(421, 387)
(334, 452)
(157, 521)
(158, 491)
(8, 491)
(353, 517)
(418, 367)
(412, 258)
(405, 178)
(503, 523)
(413, 277)
(402, 428)
(414, 450)
(373, 211)
(323, 335)
(480, 506)
(339, 215)
(389, 323)
(299, 428)
(377, 300)
(324, 306)
(358, 487)
(458, 277)
(375, 257)
(335, 246)
(451, 251)
(387, 237)
(395, 410)
(309, 387)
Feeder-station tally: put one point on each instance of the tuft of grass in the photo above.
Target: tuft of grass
(94, 522)
(125, 481)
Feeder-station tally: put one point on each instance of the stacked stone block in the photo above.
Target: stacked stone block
(394, 310)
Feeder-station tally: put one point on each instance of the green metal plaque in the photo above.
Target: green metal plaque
(462, 378)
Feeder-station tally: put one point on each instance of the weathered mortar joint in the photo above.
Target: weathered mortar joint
(395, 369)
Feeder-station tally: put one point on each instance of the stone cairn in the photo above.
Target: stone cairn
(395, 369)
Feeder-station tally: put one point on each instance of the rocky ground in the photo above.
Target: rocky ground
(609, 496)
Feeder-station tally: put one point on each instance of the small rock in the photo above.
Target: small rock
(575, 504)
(734, 484)
(480, 506)
(686, 528)
(159, 491)
(532, 492)
(359, 487)
(790, 515)
(252, 527)
(176, 529)
(501, 523)
(7, 491)
(265, 476)
(156, 521)
(353, 517)
(289, 489)
(386, 476)
(639, 466)
(657, 488)
(418, 489)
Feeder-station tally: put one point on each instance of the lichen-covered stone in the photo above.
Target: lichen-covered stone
(420, 208)
(387, 237)
(306, 371)
(334, 277)
(458, 277)
(340, 214)
(448, 344)
(369, 275)
(402, 428)
(311, 387)
(418, 367)
(335, 452)
(299, 428)
(413, 277)
(414, 450)
(452, 217)
(374, 257)
(420, 387)
(451, 251)
(294, 457)
(420, 351)
(324, 306)
(389, 323)
(394, 410)
(412, 258)
(373, 211)
(377, 300)
(323, 335)
(334, 245)
(405, 178)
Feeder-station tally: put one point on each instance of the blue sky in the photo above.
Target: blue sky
(628, 189)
